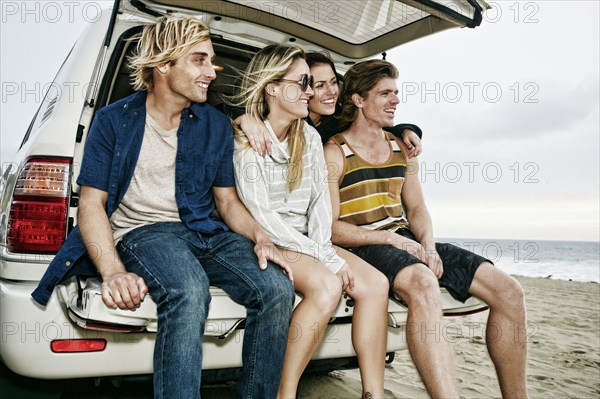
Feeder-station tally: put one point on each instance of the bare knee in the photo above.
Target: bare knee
(325, 293)
(379, 287)
(417, 284)
(510, 294)
(374, 288)
(515, 291)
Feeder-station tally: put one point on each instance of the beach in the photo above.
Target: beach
(563, 338)
(563, 341)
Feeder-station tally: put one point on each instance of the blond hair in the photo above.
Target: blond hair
(270, 65)
(360, 79)
(164, 42)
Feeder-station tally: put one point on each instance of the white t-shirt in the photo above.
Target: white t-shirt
(150, 197)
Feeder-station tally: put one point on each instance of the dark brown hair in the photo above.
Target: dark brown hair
(360, 79)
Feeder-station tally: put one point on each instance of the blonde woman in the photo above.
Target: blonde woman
(287, 194)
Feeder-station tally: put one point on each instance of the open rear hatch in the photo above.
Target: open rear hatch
(353, 29)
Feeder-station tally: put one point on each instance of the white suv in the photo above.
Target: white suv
(75, 335)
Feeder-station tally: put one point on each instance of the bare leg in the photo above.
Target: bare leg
(505, 332)
(321, 291)
(369, 323)
(419, 288)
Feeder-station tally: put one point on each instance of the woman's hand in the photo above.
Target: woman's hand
(266, 251)
(256, 132)
(413, 143)
(346, 277)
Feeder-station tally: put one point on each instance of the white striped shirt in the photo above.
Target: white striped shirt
(299, 220)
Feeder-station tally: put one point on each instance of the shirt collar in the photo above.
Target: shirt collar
(197, 109)
(139, 100)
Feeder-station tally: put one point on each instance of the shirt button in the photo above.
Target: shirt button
(68, 263)
(191, 116)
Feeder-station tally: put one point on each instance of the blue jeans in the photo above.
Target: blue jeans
(179, 265)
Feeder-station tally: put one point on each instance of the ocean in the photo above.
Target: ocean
(561, 260)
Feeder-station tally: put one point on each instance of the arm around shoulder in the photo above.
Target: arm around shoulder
(400, 129)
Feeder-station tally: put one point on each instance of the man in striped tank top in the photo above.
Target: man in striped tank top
(380, 214)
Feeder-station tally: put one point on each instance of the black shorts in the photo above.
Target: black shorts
(460, 265)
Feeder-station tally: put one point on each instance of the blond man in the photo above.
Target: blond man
(157, 164)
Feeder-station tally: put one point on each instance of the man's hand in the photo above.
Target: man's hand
(426, 254)
(408, 245)
(257, 134)
(412, 142)
(265, 250)
(123, 290)
(346, 277)
(434, 262)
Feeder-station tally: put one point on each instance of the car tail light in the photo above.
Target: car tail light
(38, 213)
(77, 345)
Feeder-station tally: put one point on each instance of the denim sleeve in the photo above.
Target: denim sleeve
(225, 175)
(98, 154)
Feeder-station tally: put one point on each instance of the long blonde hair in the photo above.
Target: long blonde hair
(270, 65)
(164, 42)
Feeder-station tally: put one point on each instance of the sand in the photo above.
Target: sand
(563, 351)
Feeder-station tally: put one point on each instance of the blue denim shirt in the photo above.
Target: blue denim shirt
(204, 159)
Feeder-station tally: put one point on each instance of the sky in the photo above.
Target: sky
(510, 111)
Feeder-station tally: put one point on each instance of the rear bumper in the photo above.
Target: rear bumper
(28, 330)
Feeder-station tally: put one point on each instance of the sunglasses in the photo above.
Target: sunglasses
(305, 81)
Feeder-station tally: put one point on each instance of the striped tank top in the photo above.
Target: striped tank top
(370, 195)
